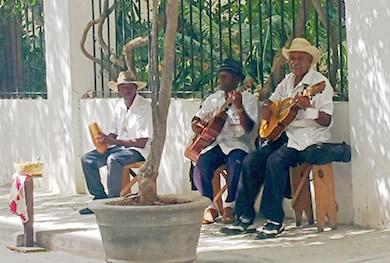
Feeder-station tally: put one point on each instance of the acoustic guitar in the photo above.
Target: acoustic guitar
(94, 130)
(283, 113)
(211, 128)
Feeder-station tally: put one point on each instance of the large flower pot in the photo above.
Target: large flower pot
(165, 233)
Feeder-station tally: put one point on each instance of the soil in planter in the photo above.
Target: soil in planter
(162, 200)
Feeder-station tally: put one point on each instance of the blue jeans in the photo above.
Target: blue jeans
(277, 178)
(209, 162)
(115, 158)
(253, 175)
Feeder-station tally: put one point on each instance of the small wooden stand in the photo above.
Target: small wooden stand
(28, 245)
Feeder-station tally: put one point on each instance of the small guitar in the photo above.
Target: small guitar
(283, 113)
(94, 130)
(212, 127)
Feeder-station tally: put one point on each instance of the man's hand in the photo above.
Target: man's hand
(197, 125)
(301, 101)
(236, 99)
(266, 112)
(102, 138)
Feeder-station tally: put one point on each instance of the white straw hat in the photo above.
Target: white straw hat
(125, 77)
(302, 45)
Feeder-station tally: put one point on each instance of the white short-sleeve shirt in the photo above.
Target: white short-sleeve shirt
(304, 131)
(230, 137)
(134, 123)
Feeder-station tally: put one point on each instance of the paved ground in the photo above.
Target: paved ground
(69, 236)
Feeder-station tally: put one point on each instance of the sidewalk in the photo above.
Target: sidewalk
(59, 227)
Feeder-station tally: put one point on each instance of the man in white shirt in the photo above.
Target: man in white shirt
(229, 147)
(270, 163)
(129, 139)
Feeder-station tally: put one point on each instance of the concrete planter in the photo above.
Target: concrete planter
(168, 233)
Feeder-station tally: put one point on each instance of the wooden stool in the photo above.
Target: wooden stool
(126, 182)
(325, 199)
(217, 190)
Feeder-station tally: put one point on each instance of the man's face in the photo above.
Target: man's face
(127, 90)
(299, 63)
(228, 81)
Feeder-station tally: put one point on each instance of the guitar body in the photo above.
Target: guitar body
(206, 137)
(283, 113)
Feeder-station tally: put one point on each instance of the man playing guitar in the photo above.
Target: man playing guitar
(228, 147)
(270, 163)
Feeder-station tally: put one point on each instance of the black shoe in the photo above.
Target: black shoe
(239, 227)
(98, 198)
(85, 211)
(270, 229)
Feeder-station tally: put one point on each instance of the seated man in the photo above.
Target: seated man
(270, 163)
(229, 147)
(129, 139)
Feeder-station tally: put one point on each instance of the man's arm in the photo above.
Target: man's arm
(322, 118)
(246, 122)
(111, 140)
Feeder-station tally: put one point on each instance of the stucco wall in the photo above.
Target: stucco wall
(369, 95)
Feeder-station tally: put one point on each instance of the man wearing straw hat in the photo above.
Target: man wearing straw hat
(270, 163)
(129, 139)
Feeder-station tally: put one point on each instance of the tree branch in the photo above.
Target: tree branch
(88, 55)
(333, 42)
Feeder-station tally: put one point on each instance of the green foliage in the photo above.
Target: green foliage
(252, 31)
(32, 46)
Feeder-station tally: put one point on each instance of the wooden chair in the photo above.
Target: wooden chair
(324, 192)
(127, 184)
(217, 190)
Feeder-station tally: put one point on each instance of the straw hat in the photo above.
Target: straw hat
(125, 77)
(302, 45)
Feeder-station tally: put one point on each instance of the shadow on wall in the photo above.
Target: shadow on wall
(368, 59)
(32, 129)
(44, 128)
(179, 134)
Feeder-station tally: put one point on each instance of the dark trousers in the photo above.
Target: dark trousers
(116, 159)
(209, 162)
(278, 178)
(253, 175)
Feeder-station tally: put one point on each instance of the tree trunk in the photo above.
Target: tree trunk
(160, 100)
(277, 70)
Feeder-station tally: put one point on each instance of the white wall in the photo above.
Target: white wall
(50, 128)
(369, 95)
(24, 126)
